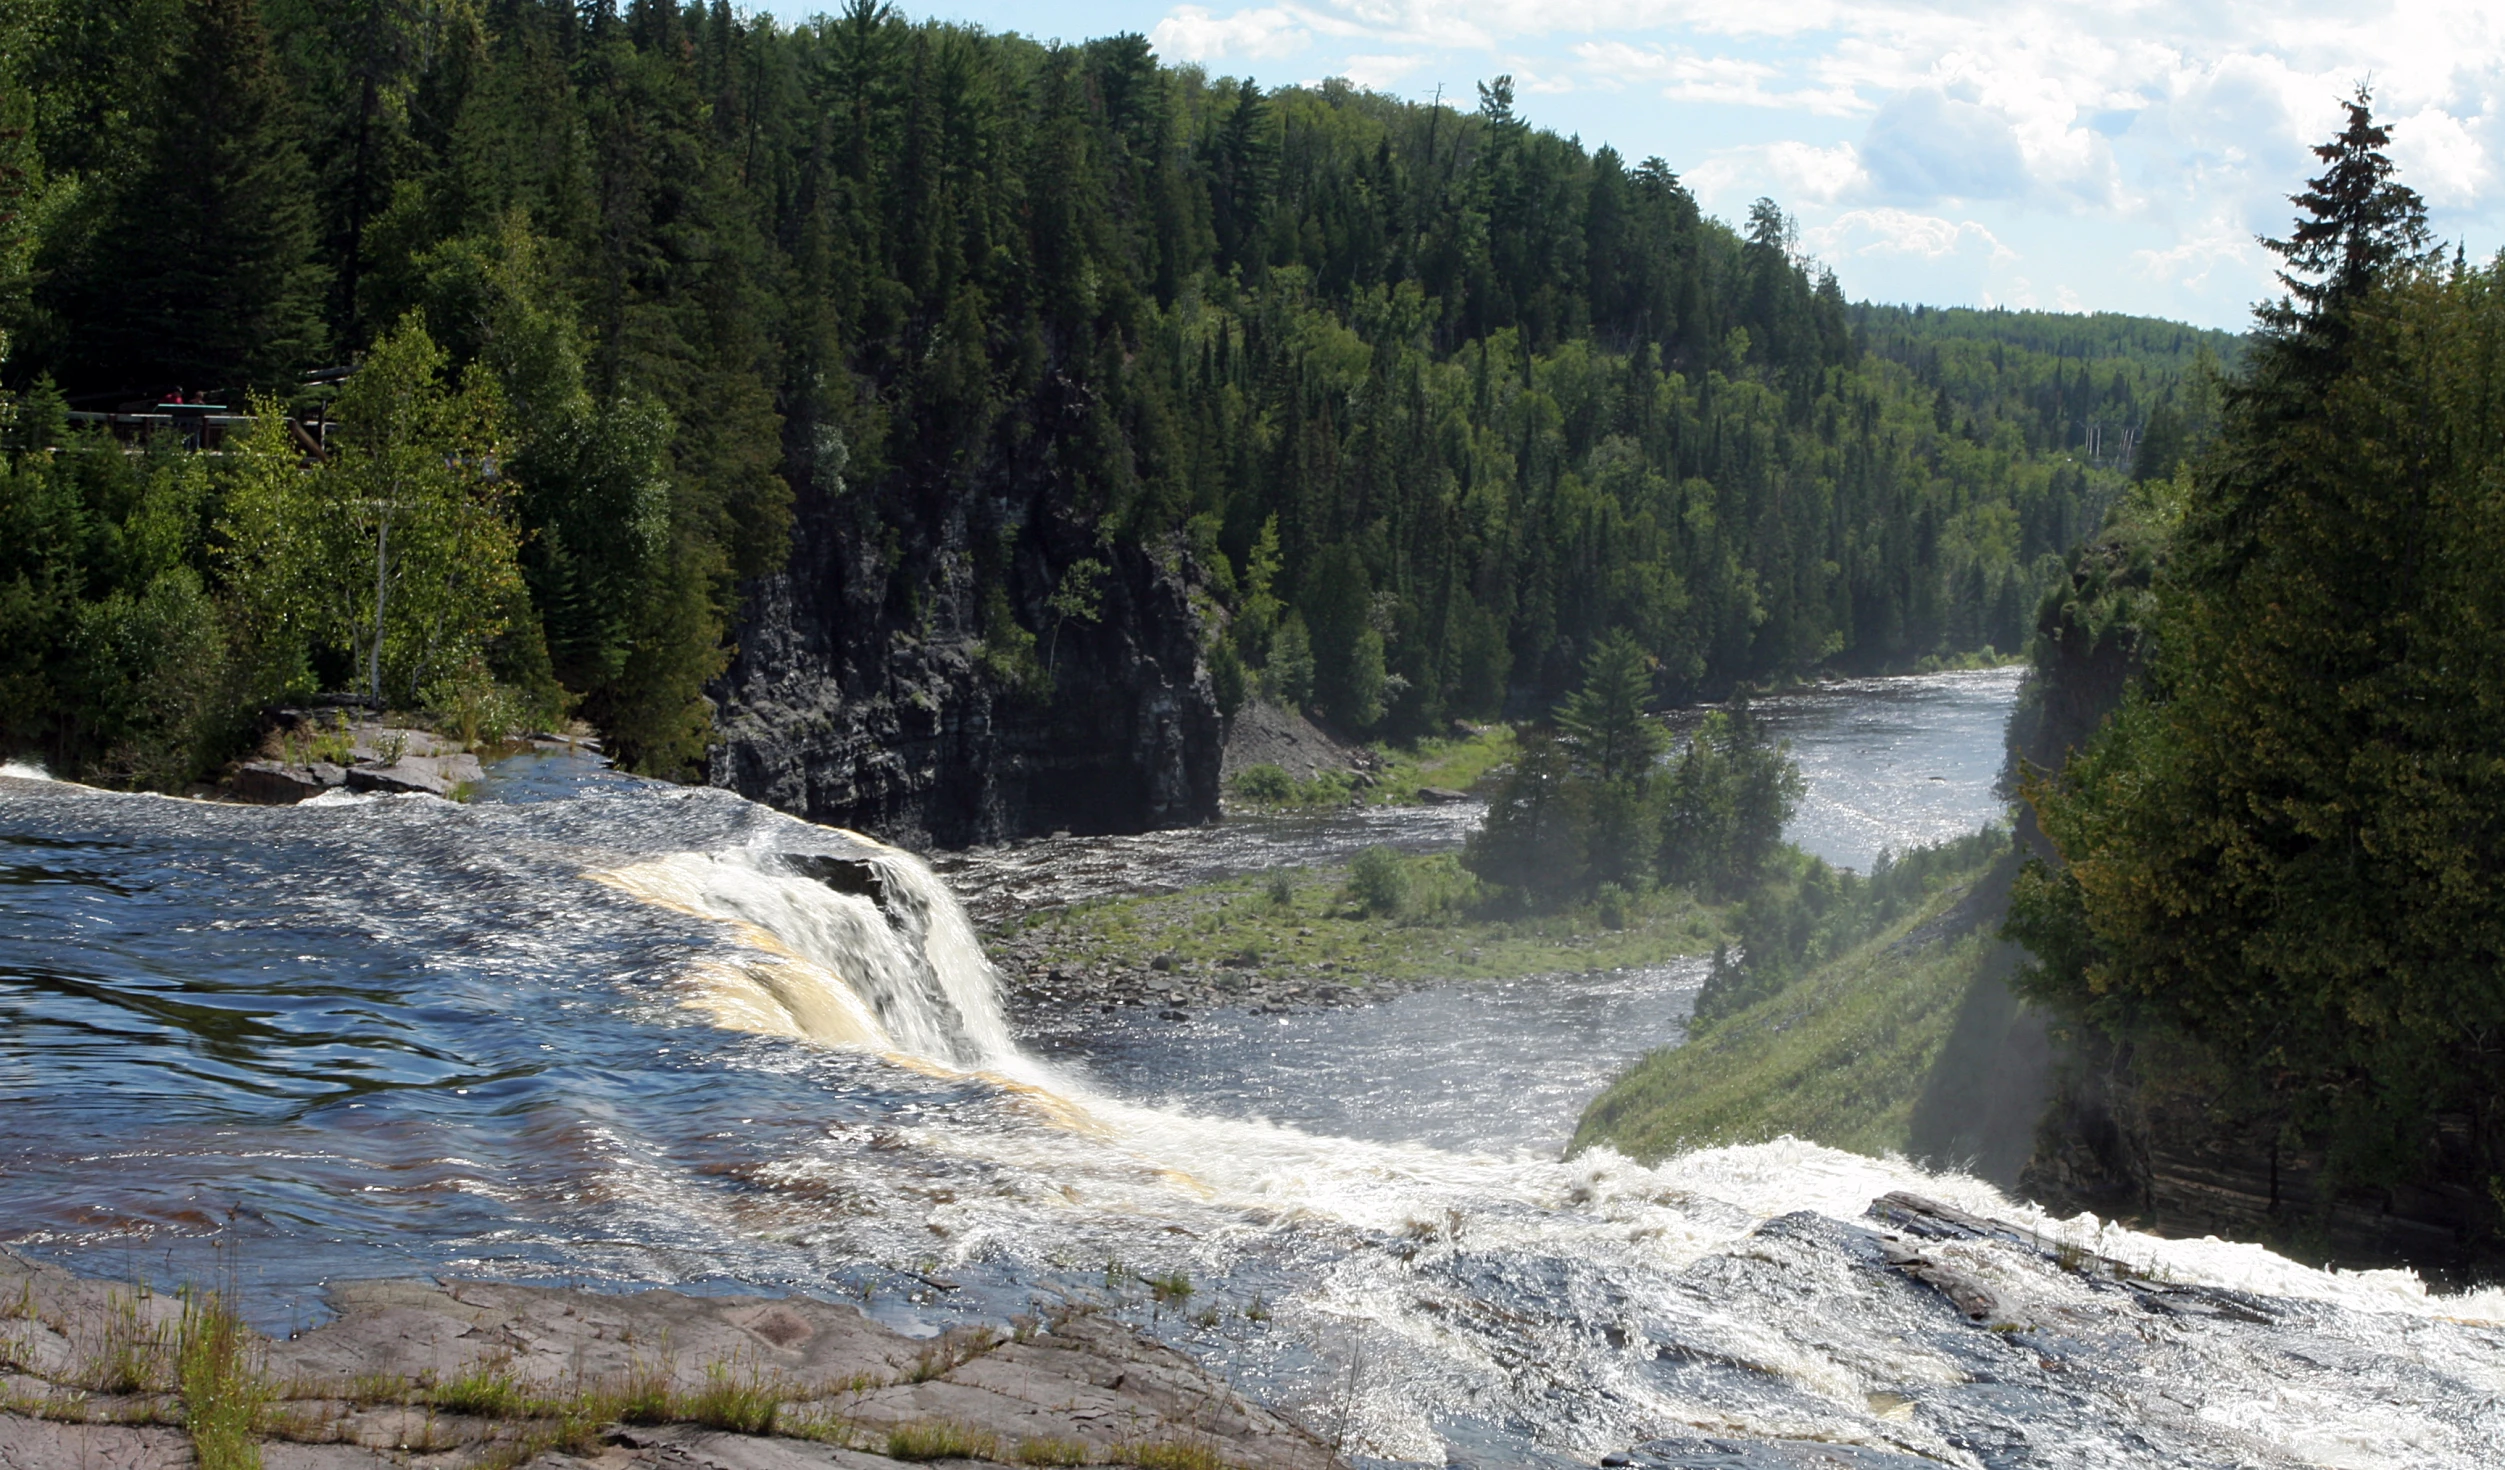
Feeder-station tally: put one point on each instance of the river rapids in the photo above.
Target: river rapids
(599, 1030)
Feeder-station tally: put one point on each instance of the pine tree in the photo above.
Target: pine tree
(2283, 847)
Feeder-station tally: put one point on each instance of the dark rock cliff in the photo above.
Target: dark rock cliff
(866, 694)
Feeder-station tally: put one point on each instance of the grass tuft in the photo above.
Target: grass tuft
(1049, 1450)
(941, 1439)
(951, 1352)
(488, 1391)
(128, 1355)
(1173, 1454)
(739, 1401)
(222, 1384)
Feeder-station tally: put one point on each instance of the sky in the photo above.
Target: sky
(2111, 156)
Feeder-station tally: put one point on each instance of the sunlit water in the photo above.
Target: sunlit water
(1894, 763)
(594, 1029)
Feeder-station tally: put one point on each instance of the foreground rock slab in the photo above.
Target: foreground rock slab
(465, 1374)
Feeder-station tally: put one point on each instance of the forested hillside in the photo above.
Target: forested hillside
(1411, 403)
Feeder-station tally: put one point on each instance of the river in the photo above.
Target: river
(599, 1030)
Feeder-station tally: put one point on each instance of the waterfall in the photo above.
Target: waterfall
(862, 949)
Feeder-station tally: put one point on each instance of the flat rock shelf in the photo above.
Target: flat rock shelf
(462, 1373)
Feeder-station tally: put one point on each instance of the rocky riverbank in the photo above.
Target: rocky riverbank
(482, 1376)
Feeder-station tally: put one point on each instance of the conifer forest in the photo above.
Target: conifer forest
(1423, 400)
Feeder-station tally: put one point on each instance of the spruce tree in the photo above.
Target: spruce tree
(1603, 723)
(203, 275)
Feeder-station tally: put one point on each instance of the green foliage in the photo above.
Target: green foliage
(1377, 882)
(1724, 803)
(1288, 678)
(193, 262)
(1801, 918)
(222, 1384)
(412, 552)
(1228, 682)
(1845, 1055)
(1533, 841)
(1266, 783)
(1603, 724)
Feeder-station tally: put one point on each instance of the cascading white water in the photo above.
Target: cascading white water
(1542, 1293)
(908, 977)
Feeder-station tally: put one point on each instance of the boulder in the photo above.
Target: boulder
(432, 775)
(281, 783)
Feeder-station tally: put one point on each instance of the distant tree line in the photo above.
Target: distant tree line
(1429, 403)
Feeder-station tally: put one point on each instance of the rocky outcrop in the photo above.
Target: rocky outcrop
(305, 757)
(1263, 734)
(886, 686)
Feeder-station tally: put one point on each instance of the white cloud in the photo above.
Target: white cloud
(2440, 157)
(1192, 33)
(1925, 144)
(2189, 262)
(1378, 73)
(1793, 172)
(1885, 231)
(1686, 76)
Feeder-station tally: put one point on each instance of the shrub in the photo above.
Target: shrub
(1265, 783)
(1378, 881)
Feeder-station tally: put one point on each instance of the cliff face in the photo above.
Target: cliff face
(862, 694)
